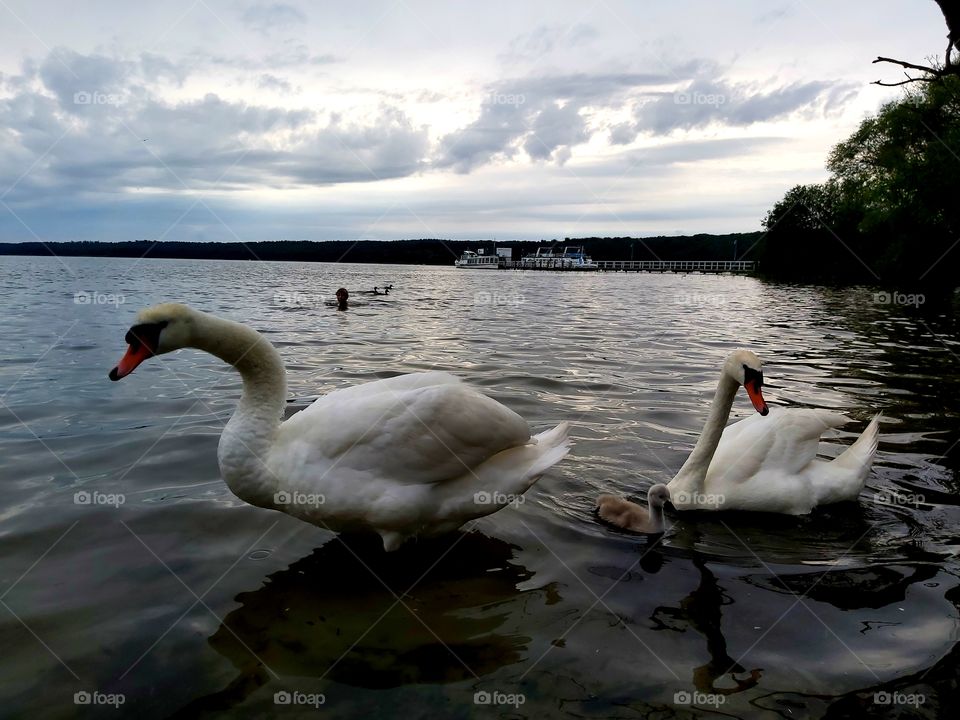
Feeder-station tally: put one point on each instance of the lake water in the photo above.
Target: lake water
(168, 590)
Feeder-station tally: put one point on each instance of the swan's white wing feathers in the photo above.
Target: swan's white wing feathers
(785, 441)
(398, 383)
(407, 431)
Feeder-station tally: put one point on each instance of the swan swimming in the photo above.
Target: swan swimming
(766, 462)
(412, 455)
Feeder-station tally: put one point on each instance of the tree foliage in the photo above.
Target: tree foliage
(890, 211)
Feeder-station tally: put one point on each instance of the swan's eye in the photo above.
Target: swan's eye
(749, 374)
(145, 334)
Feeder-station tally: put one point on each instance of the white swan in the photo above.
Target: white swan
(416, 454)
(768, 462)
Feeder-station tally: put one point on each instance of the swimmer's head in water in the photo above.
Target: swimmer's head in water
(342, 295)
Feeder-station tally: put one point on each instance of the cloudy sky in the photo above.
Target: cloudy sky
(232, 119)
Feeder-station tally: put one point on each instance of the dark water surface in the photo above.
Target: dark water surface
(186, 601)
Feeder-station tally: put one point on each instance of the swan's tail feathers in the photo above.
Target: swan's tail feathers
(502, 479)
(860, 455)
(855, 462)
(554, 445)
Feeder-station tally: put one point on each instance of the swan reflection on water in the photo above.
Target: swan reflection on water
(701, 611)
(439, 611)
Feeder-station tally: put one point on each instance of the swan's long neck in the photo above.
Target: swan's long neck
(247, 439)
(694, 471)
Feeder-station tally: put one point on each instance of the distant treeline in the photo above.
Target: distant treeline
(414, 252)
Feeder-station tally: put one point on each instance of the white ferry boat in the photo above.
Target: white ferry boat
(546, 258)
(477, 261)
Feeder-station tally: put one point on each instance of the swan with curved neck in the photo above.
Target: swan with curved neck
(767, 462)
(416, 454)
(741, 367)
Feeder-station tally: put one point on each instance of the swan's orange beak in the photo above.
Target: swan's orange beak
(753, 386)
(130, 360)
(142, 343)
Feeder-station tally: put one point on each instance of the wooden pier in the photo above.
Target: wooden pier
(661, 266)
(679, 266)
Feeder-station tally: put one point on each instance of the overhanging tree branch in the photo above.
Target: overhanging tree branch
(933, 73)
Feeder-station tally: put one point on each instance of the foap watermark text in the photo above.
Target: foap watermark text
(496, 697)
(497, 498)
(95, 497)
(86, 697)
(91, 297)
(685, 697)
(295, 497)
(295, 697)
(899, 298)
